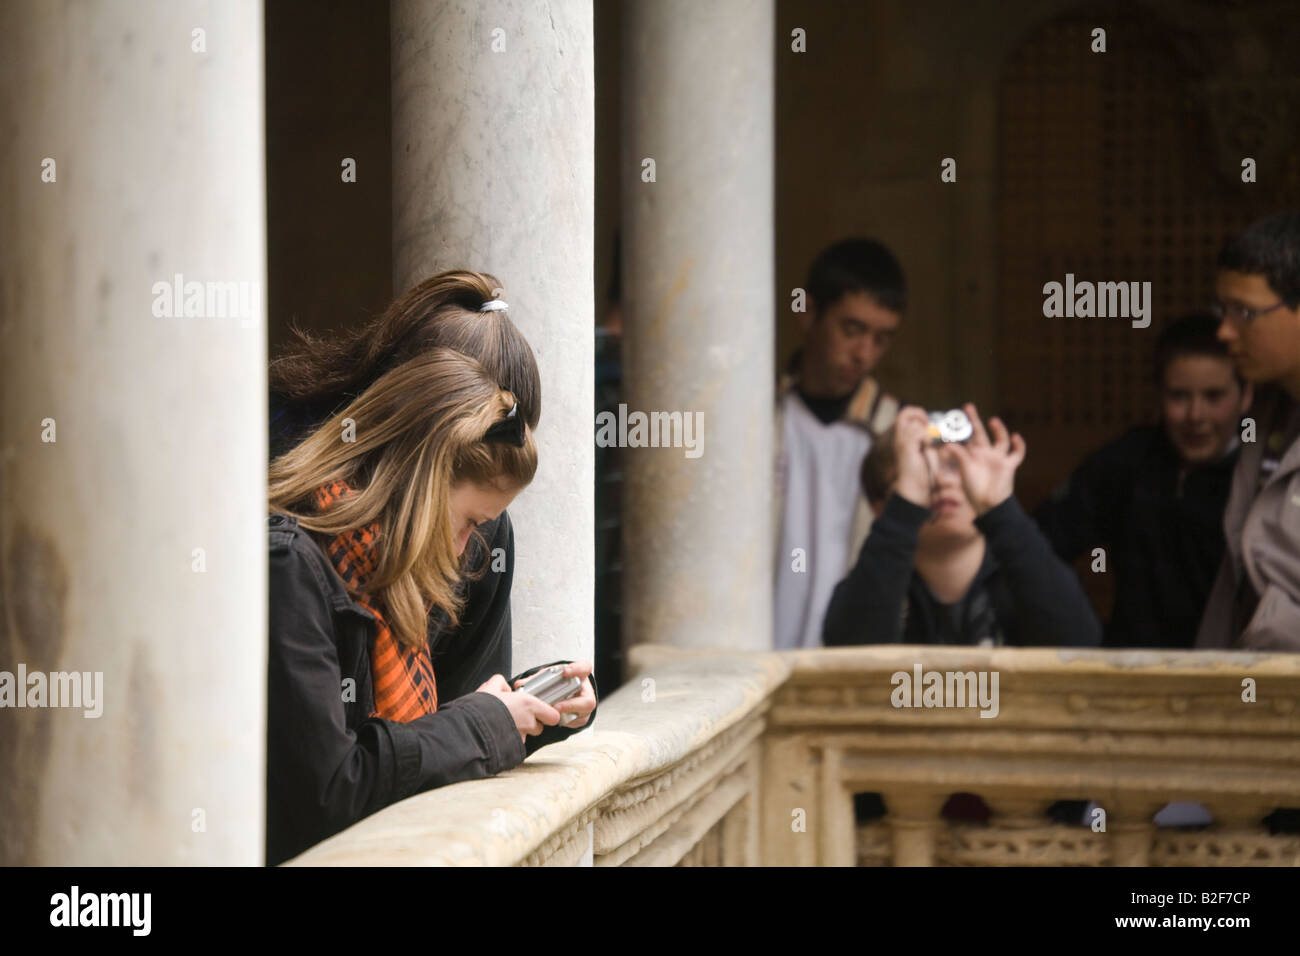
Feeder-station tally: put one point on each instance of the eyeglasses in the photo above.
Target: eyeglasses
(1237, 314)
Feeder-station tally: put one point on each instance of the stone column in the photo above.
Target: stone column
(914, 821)
(699, 280)
(838, 833)
(1129, 823)
(133, 444)
(493, 144)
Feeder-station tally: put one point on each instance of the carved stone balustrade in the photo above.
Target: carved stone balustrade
(741, 758)
(668, 775)
(1130, 730)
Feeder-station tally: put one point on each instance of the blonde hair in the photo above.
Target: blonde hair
(418, 431)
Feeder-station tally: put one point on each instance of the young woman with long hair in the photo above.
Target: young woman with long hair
(315, 375)
(389, 607)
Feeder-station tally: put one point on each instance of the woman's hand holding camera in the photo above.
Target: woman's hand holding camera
(531, 715)
(581, 704)
(914, 455)
(988, 468)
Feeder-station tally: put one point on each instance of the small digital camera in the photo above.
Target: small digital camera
(950, 426)
(550, 686)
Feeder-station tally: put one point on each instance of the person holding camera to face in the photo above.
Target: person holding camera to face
(951, 557)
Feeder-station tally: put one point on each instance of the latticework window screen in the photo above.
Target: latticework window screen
(1108, 170)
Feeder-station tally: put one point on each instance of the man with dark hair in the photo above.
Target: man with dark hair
(1255, 603)
(1153, 499)
(828, 407)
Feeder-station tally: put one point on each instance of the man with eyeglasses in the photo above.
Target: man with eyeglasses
(1255, 603)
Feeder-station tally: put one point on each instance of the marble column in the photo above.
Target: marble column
(493, 144)
(133, 443)
(698, 316)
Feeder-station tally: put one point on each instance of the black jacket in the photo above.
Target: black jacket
(1161, 526)
(329, 763)
(1021, 595)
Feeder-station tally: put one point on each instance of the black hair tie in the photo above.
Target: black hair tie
(509, 431)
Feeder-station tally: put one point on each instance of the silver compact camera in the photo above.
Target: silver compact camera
(550, 686)
(950, 426)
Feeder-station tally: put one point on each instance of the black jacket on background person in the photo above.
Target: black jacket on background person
(1022, 594)
(329, 764)
(1161, 526)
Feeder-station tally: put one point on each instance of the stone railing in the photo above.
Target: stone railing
(707, 758)
(1130, 730)
(668, 775)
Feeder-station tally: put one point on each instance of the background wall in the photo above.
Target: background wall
(884, 92)
(1123, 165)
(329, 254)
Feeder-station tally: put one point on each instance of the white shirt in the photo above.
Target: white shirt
(822, 464)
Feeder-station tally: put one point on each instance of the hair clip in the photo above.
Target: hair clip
(509, 431)
(493, 305)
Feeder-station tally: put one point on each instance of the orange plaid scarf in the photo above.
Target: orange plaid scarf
(405, 687)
